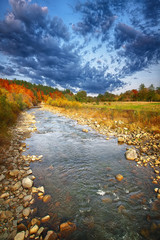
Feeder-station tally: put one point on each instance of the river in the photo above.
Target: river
(78, 170)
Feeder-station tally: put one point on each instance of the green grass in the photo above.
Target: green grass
(135, 106)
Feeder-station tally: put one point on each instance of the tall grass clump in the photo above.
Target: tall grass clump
(64, 103)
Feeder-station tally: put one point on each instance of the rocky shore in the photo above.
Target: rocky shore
(18, 193)
(145, 146)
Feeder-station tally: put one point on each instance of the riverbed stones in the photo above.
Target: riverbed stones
(20, 236)
(85, 130)
(27, 182)
(131, 154)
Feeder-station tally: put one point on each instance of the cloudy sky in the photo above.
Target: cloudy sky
(96, 46)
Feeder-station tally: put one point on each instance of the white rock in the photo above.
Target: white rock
(100, 192)
(19, 236)
(27, 182)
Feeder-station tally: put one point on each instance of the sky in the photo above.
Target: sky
(95, 46)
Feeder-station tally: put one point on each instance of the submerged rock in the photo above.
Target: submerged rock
(67, 228)
(119, 177)
(47, 198)
(131, 154)
(85, 130)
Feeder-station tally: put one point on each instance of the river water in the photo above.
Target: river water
(78, 170)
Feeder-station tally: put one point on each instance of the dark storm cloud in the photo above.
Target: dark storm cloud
(140, 50)
(7, 70)
(137, 45)
(97, 19)
(39, 49)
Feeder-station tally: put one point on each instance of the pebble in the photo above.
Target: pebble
(26, 212)
(4, 195)
(14, 172)
(45, 219)
(33, 229)
(16, 186)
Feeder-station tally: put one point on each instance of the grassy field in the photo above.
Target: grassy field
(133, 114)
(135, 106)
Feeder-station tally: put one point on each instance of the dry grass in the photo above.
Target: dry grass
(147, 117)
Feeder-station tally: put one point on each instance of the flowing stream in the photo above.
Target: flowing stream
(78, 170)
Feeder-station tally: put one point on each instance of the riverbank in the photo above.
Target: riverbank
(17, 201)
(146, 144)
(18, 193)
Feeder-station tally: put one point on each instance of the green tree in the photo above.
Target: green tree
(81, 96)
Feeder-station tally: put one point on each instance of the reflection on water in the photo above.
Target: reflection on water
(78, 170)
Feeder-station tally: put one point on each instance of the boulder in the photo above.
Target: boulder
(27, 182)
(131, 154)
